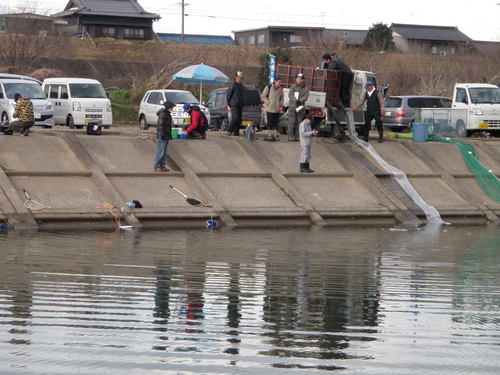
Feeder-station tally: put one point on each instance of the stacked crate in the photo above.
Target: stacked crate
(324, 80)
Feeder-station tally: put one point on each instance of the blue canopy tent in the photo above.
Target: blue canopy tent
(201, 74)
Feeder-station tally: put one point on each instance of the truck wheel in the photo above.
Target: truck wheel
(5, 118)
(143, 125)
(70, 122)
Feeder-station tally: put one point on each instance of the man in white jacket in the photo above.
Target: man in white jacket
(306, 134)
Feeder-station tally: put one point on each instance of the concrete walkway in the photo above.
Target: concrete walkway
(84, 182)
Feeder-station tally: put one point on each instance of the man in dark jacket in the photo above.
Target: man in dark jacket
(235, 102)
(374, 110)
(335, 63)
(163, 135)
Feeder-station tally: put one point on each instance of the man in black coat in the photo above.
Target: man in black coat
(163, 135)
(374, 110)
(335, 63)
(235, 102)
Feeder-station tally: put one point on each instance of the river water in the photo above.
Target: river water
(302, 301)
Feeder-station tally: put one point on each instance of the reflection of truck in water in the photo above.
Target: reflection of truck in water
(323, 88)
(475, 108)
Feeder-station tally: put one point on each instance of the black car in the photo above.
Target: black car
(220, 115)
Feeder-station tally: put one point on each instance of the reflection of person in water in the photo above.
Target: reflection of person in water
(162, 293)
(233, 309)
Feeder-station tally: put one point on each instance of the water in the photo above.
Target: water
(367, 301)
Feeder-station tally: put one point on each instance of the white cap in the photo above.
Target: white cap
(239, 74)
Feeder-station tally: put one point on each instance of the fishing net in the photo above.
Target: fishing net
(484, 176)
(431, 214)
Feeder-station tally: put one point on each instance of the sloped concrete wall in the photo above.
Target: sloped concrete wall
(86, 181)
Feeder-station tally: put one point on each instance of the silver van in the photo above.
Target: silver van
(400, 110)
(10, 85)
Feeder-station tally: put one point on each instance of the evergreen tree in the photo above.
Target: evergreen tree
(379, 38)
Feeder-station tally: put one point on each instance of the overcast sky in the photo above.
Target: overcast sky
(478, 19)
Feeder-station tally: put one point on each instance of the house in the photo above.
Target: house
(345, 38)
(487, 48)
(26, 23)
(442, 40)
(279, 36)
(220, 40)
(120, 19)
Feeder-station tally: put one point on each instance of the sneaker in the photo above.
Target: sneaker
(158, 169)
(291, 139)
(164, 169)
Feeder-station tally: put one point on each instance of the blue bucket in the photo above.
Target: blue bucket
(419, 130)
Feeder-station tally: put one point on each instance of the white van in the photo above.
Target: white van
(77, 101)
(11, 85)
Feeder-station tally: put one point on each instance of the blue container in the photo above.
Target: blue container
(419, 130)
(183, 136)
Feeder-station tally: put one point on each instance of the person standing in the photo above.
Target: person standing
(374, 110)
(163, 135)
(25, 115)
(335, 63)
(297, 98)
(235, 102)
(306, 134)
(272, 97)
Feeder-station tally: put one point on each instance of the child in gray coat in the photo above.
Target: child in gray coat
(306, 133)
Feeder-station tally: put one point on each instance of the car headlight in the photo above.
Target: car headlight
(12, 105)
(48, 107)
(108, 106)
(475, 112)
(77, 106)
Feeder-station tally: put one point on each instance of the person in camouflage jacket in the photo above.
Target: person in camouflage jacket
(24, 113)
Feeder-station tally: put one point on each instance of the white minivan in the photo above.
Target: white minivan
(10, 85)
(77, 101)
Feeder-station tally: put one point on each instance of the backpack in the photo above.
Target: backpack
(204, 127)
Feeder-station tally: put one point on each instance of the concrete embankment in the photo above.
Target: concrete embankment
(84, 182)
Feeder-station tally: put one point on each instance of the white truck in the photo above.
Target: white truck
(475, 108)
(317, 105)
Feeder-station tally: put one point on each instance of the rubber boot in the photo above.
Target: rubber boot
(303, 168)
(308, 170)
(380, 136)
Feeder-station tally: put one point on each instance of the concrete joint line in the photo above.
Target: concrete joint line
(282, 182)
(193, 179)
(100, 177)
(451, 181)
(362, 174)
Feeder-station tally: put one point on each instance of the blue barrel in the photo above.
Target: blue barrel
(419, 130)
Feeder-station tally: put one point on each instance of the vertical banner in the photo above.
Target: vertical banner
(272, 68)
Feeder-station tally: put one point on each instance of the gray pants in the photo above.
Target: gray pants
(305, 154)
(294, 120)
(20, 126)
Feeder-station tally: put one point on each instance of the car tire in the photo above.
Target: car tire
(47, 126)
(5, 118)
(224, 124)
(107, 126)
(70, 122)
(143, 125)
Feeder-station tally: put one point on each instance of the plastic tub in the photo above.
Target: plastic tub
(183, 136)
(175, 132)
(419, 132)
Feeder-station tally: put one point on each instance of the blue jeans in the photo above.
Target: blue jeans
(161, 152)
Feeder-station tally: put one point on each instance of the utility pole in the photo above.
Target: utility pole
(182, 32)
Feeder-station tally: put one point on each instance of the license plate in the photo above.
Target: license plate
(483, 125)
(38, 116)
(86, 121)
(247, 122)
(388, 113)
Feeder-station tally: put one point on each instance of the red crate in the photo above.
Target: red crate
(324, 80)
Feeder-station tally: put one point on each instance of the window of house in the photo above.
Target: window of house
(295, 38)
(108, 32)
(260, 39)
(241, 41)
(452, 51)
(133, 33)
(434, 50)
(251, 39)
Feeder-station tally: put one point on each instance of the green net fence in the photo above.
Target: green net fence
(488, 181)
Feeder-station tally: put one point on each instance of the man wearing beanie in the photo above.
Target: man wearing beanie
(163, 135)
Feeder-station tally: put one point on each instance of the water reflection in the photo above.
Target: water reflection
(260, 302)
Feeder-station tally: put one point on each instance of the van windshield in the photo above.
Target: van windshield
(30, 90)
(181, 97)
(488, 95)
(87, 90)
